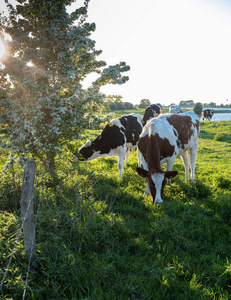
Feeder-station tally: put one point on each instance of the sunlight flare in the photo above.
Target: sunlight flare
(2, 49)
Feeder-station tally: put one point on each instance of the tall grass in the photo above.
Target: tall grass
(99, 238)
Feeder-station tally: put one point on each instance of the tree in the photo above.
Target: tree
(128, 105)
(144, 103)
(119, 103)
(112, 106)
(50, 53)
(114, 102)
(212, 104)
(111, 101)
(186, 103)
(197, 108)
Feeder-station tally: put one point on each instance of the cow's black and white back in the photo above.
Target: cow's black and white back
(152, 111)
(207, 114)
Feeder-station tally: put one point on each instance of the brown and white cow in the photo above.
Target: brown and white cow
(116, 139)
(152, 111)
(162, 140)
(207, 114)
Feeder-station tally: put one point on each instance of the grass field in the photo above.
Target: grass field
(99, 238)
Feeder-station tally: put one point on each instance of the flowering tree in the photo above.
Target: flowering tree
(42, 100)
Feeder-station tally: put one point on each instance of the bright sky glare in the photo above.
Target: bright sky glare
(177, 50)
(2, 49)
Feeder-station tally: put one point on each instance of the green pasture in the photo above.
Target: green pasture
(98, 237)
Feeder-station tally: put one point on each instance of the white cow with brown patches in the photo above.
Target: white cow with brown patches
(162, 140)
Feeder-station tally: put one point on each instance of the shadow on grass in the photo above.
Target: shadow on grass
(206, 135)
(99, 238)
(134, 249)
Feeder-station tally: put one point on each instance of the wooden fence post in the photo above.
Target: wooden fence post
(26, 203)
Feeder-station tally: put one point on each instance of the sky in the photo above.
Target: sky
(176, 49)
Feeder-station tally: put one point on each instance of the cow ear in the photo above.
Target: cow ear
(170, 174)
(142, 172)
(87, 144)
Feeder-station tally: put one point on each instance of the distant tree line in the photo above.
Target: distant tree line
(186, 103)
(191, 103)
(115, 103)
(112, 103)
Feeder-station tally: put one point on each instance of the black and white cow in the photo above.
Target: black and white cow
(152, 111)
(175, 109)
(207, 114)
(162, 140)
(116, 139)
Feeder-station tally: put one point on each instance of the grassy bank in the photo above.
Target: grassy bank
(99, 238)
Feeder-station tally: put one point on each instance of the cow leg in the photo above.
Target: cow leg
(145, 166)
(122, 154)
(146, 191)
(185, 158)
(193, 157)
(138, 155)
(127, 155)
(170, 163)
(169, 167)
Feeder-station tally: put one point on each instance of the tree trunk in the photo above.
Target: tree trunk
(26, 205)
(51, 164)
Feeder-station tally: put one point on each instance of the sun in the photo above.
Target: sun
(2, 49)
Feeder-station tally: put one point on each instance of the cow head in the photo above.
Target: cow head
(85, 152)
(151, 111)
(156, 180)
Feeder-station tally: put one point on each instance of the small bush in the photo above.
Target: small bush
(197, 108)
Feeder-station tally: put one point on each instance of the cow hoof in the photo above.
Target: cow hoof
(158, 201)
(74, 159)
(146, 194)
